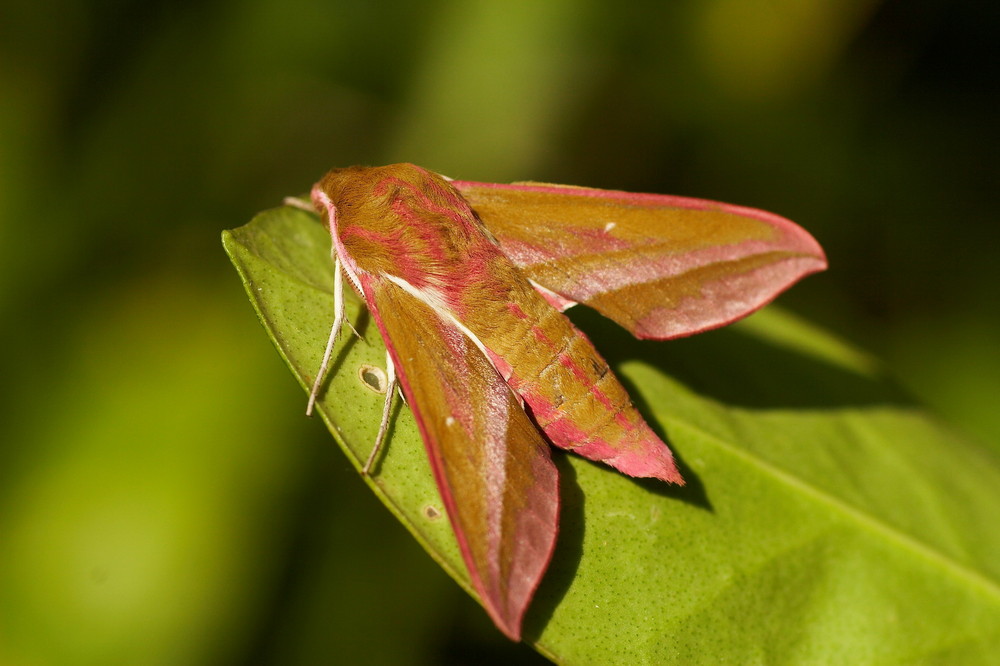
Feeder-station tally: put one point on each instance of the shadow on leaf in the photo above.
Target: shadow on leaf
(735, 367)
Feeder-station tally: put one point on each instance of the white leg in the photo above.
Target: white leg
(390, 389)
(338, 322)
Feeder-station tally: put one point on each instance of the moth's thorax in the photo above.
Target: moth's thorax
(408, 223)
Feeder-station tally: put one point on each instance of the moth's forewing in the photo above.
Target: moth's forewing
(661, 266)
(492, 466)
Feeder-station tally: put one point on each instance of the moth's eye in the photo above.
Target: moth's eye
(373, 378)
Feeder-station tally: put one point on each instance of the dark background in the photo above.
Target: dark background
(162, 498)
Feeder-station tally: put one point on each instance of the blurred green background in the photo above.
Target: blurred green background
(163, 500)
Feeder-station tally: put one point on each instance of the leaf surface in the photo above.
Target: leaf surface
(826, 518)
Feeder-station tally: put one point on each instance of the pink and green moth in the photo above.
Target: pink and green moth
(467, 282)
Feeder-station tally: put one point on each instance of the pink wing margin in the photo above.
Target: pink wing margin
(493, 468)
(661, 266)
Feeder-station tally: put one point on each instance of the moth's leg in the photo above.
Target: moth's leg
(353, 330)
(338, 322)
(390, 389)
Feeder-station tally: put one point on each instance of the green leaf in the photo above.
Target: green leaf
(826, 518)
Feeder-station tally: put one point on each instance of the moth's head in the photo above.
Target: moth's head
(343, 185)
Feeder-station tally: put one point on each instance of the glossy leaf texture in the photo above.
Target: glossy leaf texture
(826, 518)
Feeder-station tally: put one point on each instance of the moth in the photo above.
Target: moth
(467, 283)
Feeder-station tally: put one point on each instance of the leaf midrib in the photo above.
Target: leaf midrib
(877, 526)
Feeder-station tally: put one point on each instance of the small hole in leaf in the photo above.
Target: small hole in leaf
(373, 378)
(431, 513)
